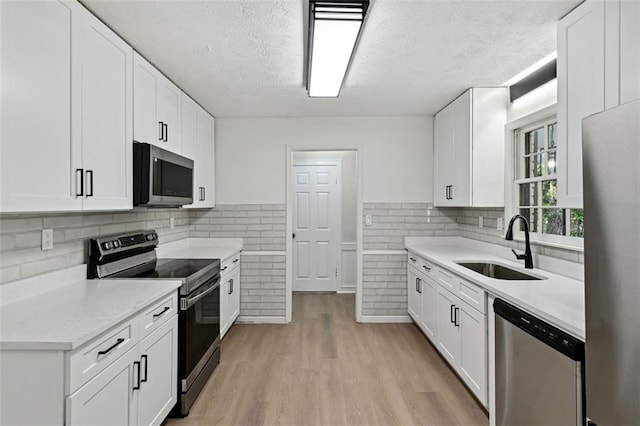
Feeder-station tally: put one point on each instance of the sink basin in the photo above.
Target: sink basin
(499, 272)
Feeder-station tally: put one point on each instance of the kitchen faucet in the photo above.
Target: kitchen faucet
(528, 259)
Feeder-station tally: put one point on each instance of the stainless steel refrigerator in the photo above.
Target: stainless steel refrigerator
(611, 177)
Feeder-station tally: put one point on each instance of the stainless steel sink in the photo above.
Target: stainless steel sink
(499, 272)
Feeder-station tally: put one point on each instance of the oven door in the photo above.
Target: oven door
(199, 324)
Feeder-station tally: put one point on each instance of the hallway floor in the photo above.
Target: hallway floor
(326, 369)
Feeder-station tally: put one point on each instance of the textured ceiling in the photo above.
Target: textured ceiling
(245, 58)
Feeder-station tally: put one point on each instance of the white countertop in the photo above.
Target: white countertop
(558, 300)
(200, 248)
(71, 315)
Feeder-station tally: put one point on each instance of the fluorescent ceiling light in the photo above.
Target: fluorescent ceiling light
(334, 27)
(542, 62)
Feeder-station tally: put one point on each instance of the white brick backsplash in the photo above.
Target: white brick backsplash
(262, 285)
(384, 284)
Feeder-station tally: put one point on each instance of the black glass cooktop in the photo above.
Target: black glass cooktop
(171, 268)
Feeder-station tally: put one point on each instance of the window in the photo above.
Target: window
(536, 183)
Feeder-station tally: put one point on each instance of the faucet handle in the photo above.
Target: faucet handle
(518, 256)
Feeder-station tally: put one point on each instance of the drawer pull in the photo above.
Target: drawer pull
(235, 260)
(427, 268)
(412, 259)
(137, 385)
(146, 363)
(112, 347)
(225, 268)
(161, 313)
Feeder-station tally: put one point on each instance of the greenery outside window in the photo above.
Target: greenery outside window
(536, 183)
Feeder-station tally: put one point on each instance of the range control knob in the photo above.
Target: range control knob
(107, 246)
(116, 243)
(149, 237)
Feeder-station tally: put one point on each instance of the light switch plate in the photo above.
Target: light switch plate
(500, 224)
(368, 220)
(172, 223)
(47, 239)
(480, 222)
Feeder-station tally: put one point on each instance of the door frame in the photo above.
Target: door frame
(337, 233)
(289, 226)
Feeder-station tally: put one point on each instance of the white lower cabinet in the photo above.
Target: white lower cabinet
(451, 313)
(229, 293)
(139, 388)
(108, 398)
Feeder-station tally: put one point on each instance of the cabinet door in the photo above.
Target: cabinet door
(443, 155)
(102, 110)
(429, 317)
(473, 350)
(629, 51)
(36, 164)
(461, 189)
(581, 80)
(146, 126)
(448, 332)
(158, 373)
(107, 399)
(413, 293)
(189, 138)
(225, 286)
(205, 158)
(169, 100)
(234, 297)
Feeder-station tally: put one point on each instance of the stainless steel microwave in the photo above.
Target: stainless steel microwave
(160, 177)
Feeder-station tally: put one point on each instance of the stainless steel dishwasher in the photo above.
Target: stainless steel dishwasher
(539, 371)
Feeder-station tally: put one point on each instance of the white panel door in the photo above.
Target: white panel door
(429, 315)
(35, 143)
(158, 373)
(168, 107)
(414, 304)
(473, 350)
(315, 213)
(109, 398)
(448, 332)
(102, 110)
(581, 81)
(146, 126)
(443, 167)
(460, 192)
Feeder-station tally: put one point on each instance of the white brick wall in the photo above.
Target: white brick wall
(262, 285)
(391, 222)
(21, 255)
(261, 226)
(384, 284)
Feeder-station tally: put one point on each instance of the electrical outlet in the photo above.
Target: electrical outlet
(172, 223)
(480, 222)
(47, 239)
(500, 224)
(368, 220)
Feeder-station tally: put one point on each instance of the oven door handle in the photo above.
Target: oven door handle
(186, 303)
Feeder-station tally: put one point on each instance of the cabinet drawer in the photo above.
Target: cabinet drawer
(413, 260)
(427, 268)
(447, 280)
(473, 295)
(229, 264)
(98, 354)
(154, 316)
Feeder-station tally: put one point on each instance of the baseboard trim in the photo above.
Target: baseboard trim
(386, 319)
(261, 320)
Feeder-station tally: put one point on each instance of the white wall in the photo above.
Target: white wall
(397, 155)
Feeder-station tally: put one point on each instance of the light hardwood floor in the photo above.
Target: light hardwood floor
(326, 369)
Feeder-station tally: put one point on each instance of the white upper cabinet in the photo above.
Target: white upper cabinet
(103, 105)
(469, 150)
(36, 172)
(581, 80)
(66, 110)
(197, 128)
(157, 102)
(598, 69)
